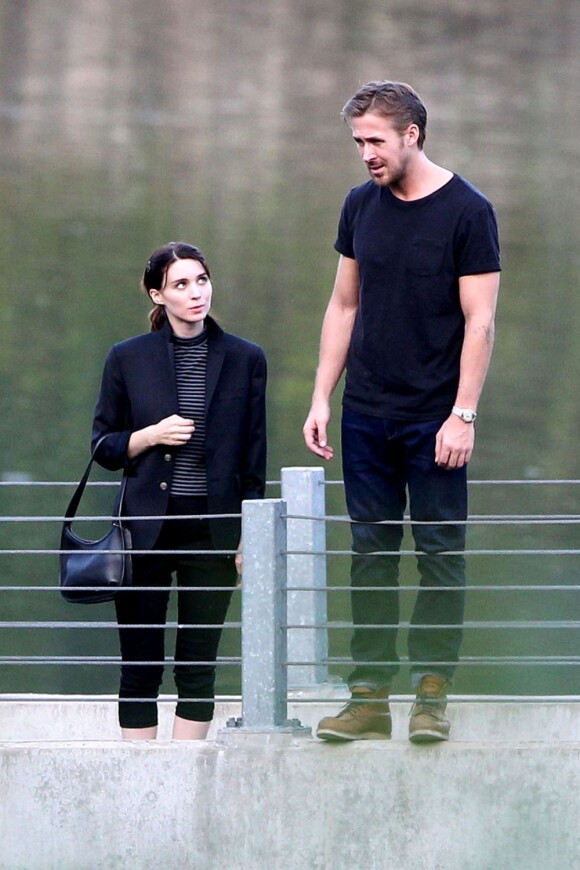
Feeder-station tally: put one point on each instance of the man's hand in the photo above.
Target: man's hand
(454, 443)
(315, 430)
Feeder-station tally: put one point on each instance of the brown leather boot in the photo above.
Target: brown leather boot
(366, 717)
(428, 722)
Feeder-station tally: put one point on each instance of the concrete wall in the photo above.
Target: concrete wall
(504, 794)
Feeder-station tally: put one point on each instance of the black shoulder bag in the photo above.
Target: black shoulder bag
(93, 571)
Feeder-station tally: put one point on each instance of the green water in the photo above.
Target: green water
(125, 125)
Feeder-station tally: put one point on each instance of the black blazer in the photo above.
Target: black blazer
(138, 389)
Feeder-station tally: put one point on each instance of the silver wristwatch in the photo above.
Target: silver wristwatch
(466, 414)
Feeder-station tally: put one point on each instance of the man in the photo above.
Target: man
(411, 319)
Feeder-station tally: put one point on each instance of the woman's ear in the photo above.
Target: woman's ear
(156, 297)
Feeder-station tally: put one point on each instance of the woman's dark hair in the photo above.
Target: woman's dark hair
(155, 273)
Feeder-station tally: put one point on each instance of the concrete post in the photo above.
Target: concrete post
(304, 494)
(264, 619)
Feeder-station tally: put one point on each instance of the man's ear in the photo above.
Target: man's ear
(412, 134)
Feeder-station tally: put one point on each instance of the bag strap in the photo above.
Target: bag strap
(72, 508)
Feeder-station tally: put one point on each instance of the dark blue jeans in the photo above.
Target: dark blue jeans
(383, 460)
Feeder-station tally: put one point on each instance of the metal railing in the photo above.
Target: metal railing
(285, 625)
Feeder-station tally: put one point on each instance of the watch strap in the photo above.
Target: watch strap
(465, 414)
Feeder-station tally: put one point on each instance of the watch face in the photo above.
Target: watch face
(468, 416)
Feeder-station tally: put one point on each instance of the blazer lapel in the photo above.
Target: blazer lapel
(164, 373)
(164, 366)
(215, 361)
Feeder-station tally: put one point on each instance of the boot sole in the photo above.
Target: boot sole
(426, 736)
(341, 737)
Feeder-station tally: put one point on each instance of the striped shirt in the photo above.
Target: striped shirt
(189, 471)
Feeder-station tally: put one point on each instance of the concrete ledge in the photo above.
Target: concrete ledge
(275, 803)
(504, 793)
(26, 718)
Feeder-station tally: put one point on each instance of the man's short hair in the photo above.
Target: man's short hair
(394, 100)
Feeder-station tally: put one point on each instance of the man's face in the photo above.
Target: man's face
(382, 148)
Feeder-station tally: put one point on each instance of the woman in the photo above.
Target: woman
(184, 409)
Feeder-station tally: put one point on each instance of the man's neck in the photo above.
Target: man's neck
(422, 178)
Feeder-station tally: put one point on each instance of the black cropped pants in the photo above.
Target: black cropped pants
(143, 647)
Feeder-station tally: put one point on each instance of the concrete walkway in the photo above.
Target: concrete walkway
(504, 794)
(485, 719)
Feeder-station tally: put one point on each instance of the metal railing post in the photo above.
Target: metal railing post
(264, 619)
(304, 493)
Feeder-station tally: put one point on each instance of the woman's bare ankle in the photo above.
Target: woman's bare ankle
(149, 733)
(189, 729)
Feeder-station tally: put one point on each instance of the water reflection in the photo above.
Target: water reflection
(125, 126)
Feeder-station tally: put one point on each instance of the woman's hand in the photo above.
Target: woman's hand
(239, 562)
(173, 431)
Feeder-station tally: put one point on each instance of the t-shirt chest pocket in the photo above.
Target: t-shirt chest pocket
(426, 257)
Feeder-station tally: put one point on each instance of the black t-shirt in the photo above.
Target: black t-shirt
(403, 360)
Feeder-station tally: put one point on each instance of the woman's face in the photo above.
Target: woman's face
(186, 295)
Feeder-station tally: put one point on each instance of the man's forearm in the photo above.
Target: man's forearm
(478, 294)
(334, 344)
(474, 364)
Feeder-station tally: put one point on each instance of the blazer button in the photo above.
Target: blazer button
(163, 485)
(167, 457)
